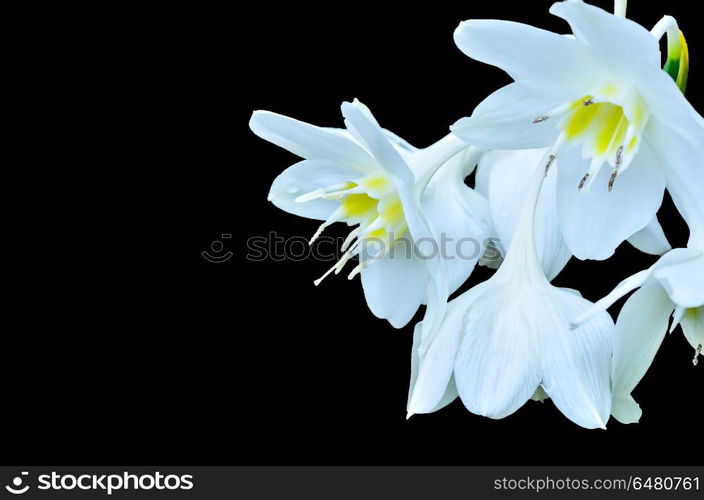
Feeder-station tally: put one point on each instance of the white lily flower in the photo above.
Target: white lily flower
(672, 286)
(369, 178)
(509, 339)
(596, 99)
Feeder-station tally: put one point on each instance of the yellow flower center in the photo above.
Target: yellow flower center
(370, 201)
(608, 125)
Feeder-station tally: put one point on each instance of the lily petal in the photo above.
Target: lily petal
(681, 156)
(617, 41)
(365, 128)
(432, 383)
(595, 223)
(576, 363)
(460, 217)
(651, 239)
(401, 144)
(308, 141)
(394, 286)
(540, 395)
(307, 176)
(504, 120)
(683, 281)
(549, 60)
(693, 327)
(640, 329)
(497, 370)
(357, 119)
(637, 280)
(666, 101)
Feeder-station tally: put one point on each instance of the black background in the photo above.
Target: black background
(132, 348)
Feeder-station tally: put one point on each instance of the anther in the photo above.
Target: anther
(327, 273)
(344, 259)
(612, 179)
(619, 157)
(557, 111)
(583, 181)
(334, 217)
(695, 361)
(619, 162)
(355, 271)
(551, 160)
(318, 232)
(350, 238)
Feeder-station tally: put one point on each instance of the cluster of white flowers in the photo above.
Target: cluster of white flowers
(572, 159)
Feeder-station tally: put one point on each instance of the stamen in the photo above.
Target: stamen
(313, 195)
(327, 273)
(330, 192)
(561, 109)
(593, 171)
(318, 232)
(344, 259)
(337, 267)
(629, 150)
(619, 162)
(552, 153)
(355, 271)
(630, 134)
(350, 238)
(583, 181)
(340, 185)
(551, 160)
(697, 352)
(336, 195)
(334, 217)
(377, 223)
(612, 179)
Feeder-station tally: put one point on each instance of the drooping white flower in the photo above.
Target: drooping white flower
(509, 339)
(672, 286)
(397, 196)
(619, 124)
